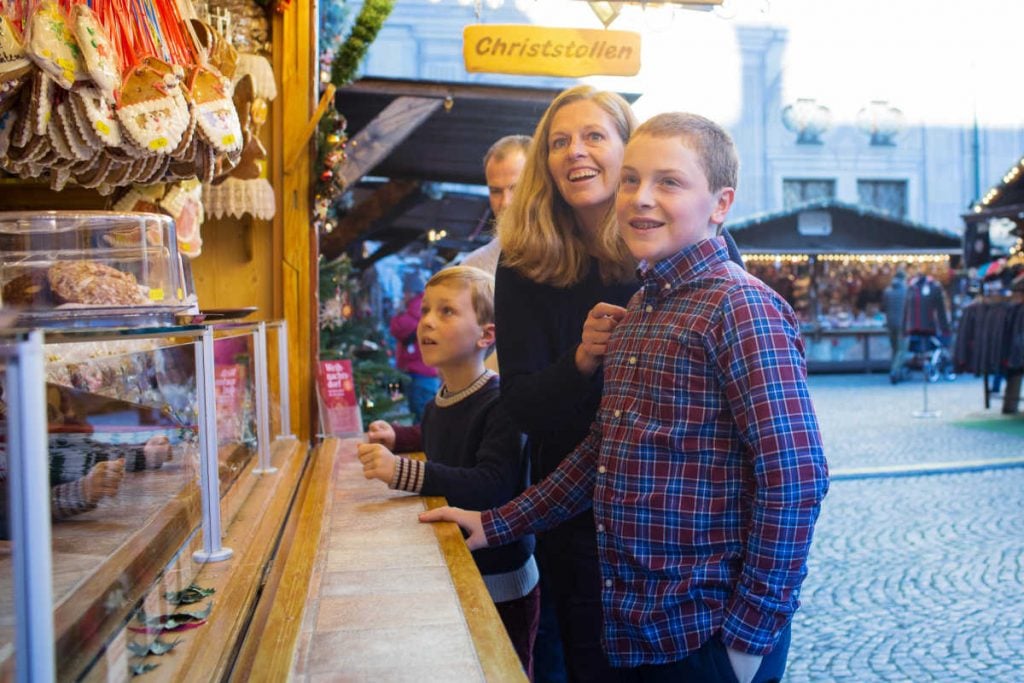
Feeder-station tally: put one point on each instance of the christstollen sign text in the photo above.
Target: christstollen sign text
(525, 49)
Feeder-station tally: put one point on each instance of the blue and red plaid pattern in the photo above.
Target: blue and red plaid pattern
(704, 465)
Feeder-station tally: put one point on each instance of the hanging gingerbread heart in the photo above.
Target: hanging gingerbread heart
(215, 113)
(99, 55)
(150, 110)
(53, 47)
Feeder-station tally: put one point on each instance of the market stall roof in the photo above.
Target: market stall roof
(1005, 200)
(418, 134)
(832, 226)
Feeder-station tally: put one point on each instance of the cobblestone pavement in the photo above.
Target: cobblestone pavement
(913, 576)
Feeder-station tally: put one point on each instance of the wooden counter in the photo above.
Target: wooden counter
(388, 598)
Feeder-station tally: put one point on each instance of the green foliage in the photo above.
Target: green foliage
(364, 32)
(350, 331)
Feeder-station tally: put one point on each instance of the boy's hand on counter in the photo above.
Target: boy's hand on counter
(378, 462)
(468, 520)
(597, 330)
(381, 432)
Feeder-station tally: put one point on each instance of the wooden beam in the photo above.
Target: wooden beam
(387, 202)
(377, 139)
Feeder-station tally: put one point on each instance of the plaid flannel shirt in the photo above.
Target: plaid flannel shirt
(704, 465)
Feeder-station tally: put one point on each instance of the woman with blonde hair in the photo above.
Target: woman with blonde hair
(560, 255)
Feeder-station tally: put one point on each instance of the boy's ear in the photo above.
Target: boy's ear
(486, 336)
(722, 205)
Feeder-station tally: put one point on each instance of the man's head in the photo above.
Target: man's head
(456, 318)
(677, 186)
(503, 165)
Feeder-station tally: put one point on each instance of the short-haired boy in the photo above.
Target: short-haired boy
(474, 452)
(704, 464)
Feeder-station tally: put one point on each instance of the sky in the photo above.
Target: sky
(942, 62)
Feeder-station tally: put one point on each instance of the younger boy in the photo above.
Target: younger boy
(474, 453)
(704, 464)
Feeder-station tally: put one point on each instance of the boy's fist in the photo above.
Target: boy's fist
(381, 432)
(378, 461)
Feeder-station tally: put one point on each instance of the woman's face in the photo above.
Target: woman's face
(584, 156)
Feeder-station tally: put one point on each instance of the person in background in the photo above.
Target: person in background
(894, 299)
(423, 380)
(474, 452)
(503, 164)
(704, 465)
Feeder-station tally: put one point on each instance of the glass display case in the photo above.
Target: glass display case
(64, 268)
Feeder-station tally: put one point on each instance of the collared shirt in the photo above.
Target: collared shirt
(704, 464)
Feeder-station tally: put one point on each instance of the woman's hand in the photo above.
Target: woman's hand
(597, 330)
(468, 520)
(381, 432)
(378, 461)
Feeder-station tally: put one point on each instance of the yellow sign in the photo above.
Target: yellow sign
(525, 49)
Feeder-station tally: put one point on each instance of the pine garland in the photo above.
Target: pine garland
(346, 60)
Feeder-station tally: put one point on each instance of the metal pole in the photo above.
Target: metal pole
(209, 476)
(282, 373)
(259, 344)
(29, 487)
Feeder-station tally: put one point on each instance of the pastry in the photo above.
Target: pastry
(88, 282)
(29, 289)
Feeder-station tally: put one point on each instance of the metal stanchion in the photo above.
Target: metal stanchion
(29, 486)
(282, 374)
(262, 379)
(209, 476)
(925, 412)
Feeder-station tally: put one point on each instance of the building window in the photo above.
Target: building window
(887, 196)
(797, 191)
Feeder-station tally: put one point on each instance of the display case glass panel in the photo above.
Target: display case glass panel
(123, 457)
(63, 267)
(234, 379)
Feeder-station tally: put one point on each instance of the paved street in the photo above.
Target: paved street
(917, 568)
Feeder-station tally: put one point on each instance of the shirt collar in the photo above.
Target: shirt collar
(685, 265)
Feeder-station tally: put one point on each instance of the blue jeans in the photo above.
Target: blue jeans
(421, 390)
(710, 664)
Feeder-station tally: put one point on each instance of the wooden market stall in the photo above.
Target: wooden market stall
(831, 261)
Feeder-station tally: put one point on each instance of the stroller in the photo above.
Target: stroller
(926, 353)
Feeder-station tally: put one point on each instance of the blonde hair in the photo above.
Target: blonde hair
(715, 149)
(480, 284)
(537, 231)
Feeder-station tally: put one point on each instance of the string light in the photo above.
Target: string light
(849, 258)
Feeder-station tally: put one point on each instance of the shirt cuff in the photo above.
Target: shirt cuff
(408, 475)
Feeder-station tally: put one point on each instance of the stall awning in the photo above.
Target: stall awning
(1005, 200)
(417, 134)
(831, 226)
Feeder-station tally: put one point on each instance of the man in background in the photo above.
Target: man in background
(894, 299)
(503, 164)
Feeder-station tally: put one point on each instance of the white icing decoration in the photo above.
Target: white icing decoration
(219, 124)
(156, 125)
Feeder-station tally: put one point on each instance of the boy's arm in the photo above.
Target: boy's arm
(496, 476)
(564, 493)
(760, 357)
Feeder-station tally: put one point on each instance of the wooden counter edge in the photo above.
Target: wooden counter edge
(269, 649)
(498, 658)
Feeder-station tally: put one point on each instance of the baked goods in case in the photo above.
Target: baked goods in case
(95, 284)
(29, 289)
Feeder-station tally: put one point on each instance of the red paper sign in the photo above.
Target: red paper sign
(339, 407)
(230, 389)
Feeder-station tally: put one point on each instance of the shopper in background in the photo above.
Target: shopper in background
(423, 380)
(503, 164)
(894, 299)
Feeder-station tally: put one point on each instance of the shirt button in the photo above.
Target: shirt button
(600, 527)
(667, 286)
(632, 360)
(607, 583)
(601, 469)
(649, 308)
(618, 413)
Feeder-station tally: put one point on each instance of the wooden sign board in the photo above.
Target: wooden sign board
(541, 51)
